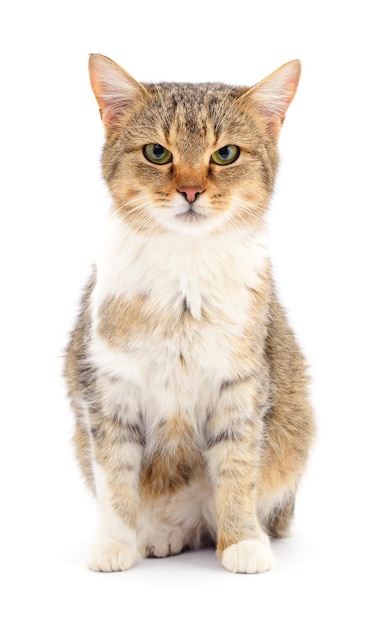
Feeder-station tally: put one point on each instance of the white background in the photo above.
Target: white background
(324, 237)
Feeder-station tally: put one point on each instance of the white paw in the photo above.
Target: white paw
(248, 557)
(160, 543)
(107, 555)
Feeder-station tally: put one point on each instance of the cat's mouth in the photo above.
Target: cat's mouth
(190, 215)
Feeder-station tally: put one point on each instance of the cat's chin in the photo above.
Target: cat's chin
(192, 227)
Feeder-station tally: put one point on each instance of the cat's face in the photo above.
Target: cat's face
(190, 158)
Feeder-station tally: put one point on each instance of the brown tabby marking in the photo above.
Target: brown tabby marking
(121, 320)
(190, 392)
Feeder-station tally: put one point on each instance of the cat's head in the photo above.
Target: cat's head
(190, 158)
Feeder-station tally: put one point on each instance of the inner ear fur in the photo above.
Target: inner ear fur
(114, 89)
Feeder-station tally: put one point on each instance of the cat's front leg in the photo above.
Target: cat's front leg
(117, 448)
(233, 451)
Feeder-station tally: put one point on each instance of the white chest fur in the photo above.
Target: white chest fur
(215, 265)
(211, 277)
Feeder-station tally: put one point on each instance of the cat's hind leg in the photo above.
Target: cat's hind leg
(160, 542)
(279, 519)
(170, 523)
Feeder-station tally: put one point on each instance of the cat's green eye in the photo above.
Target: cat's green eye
(155, 153)
(225, 155)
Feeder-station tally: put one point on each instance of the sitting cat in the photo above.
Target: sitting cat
(193, 423)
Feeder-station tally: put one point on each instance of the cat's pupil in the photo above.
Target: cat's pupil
(224, 152)
(158, 151)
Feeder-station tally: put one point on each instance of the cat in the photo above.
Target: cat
(193, 418)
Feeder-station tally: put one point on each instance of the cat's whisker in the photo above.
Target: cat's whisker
(246, 206)
(251, 211)
(124, 209)
(144, 217)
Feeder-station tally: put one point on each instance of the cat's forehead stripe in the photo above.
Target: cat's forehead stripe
(195, 105)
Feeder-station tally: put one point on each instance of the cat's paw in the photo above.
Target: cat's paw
(160, 543)
(107, 555)
(248, 557)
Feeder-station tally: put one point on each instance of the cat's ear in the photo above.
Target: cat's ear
(274, 94)
(114, 89)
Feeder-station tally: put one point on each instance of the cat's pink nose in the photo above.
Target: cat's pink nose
(190, 193)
